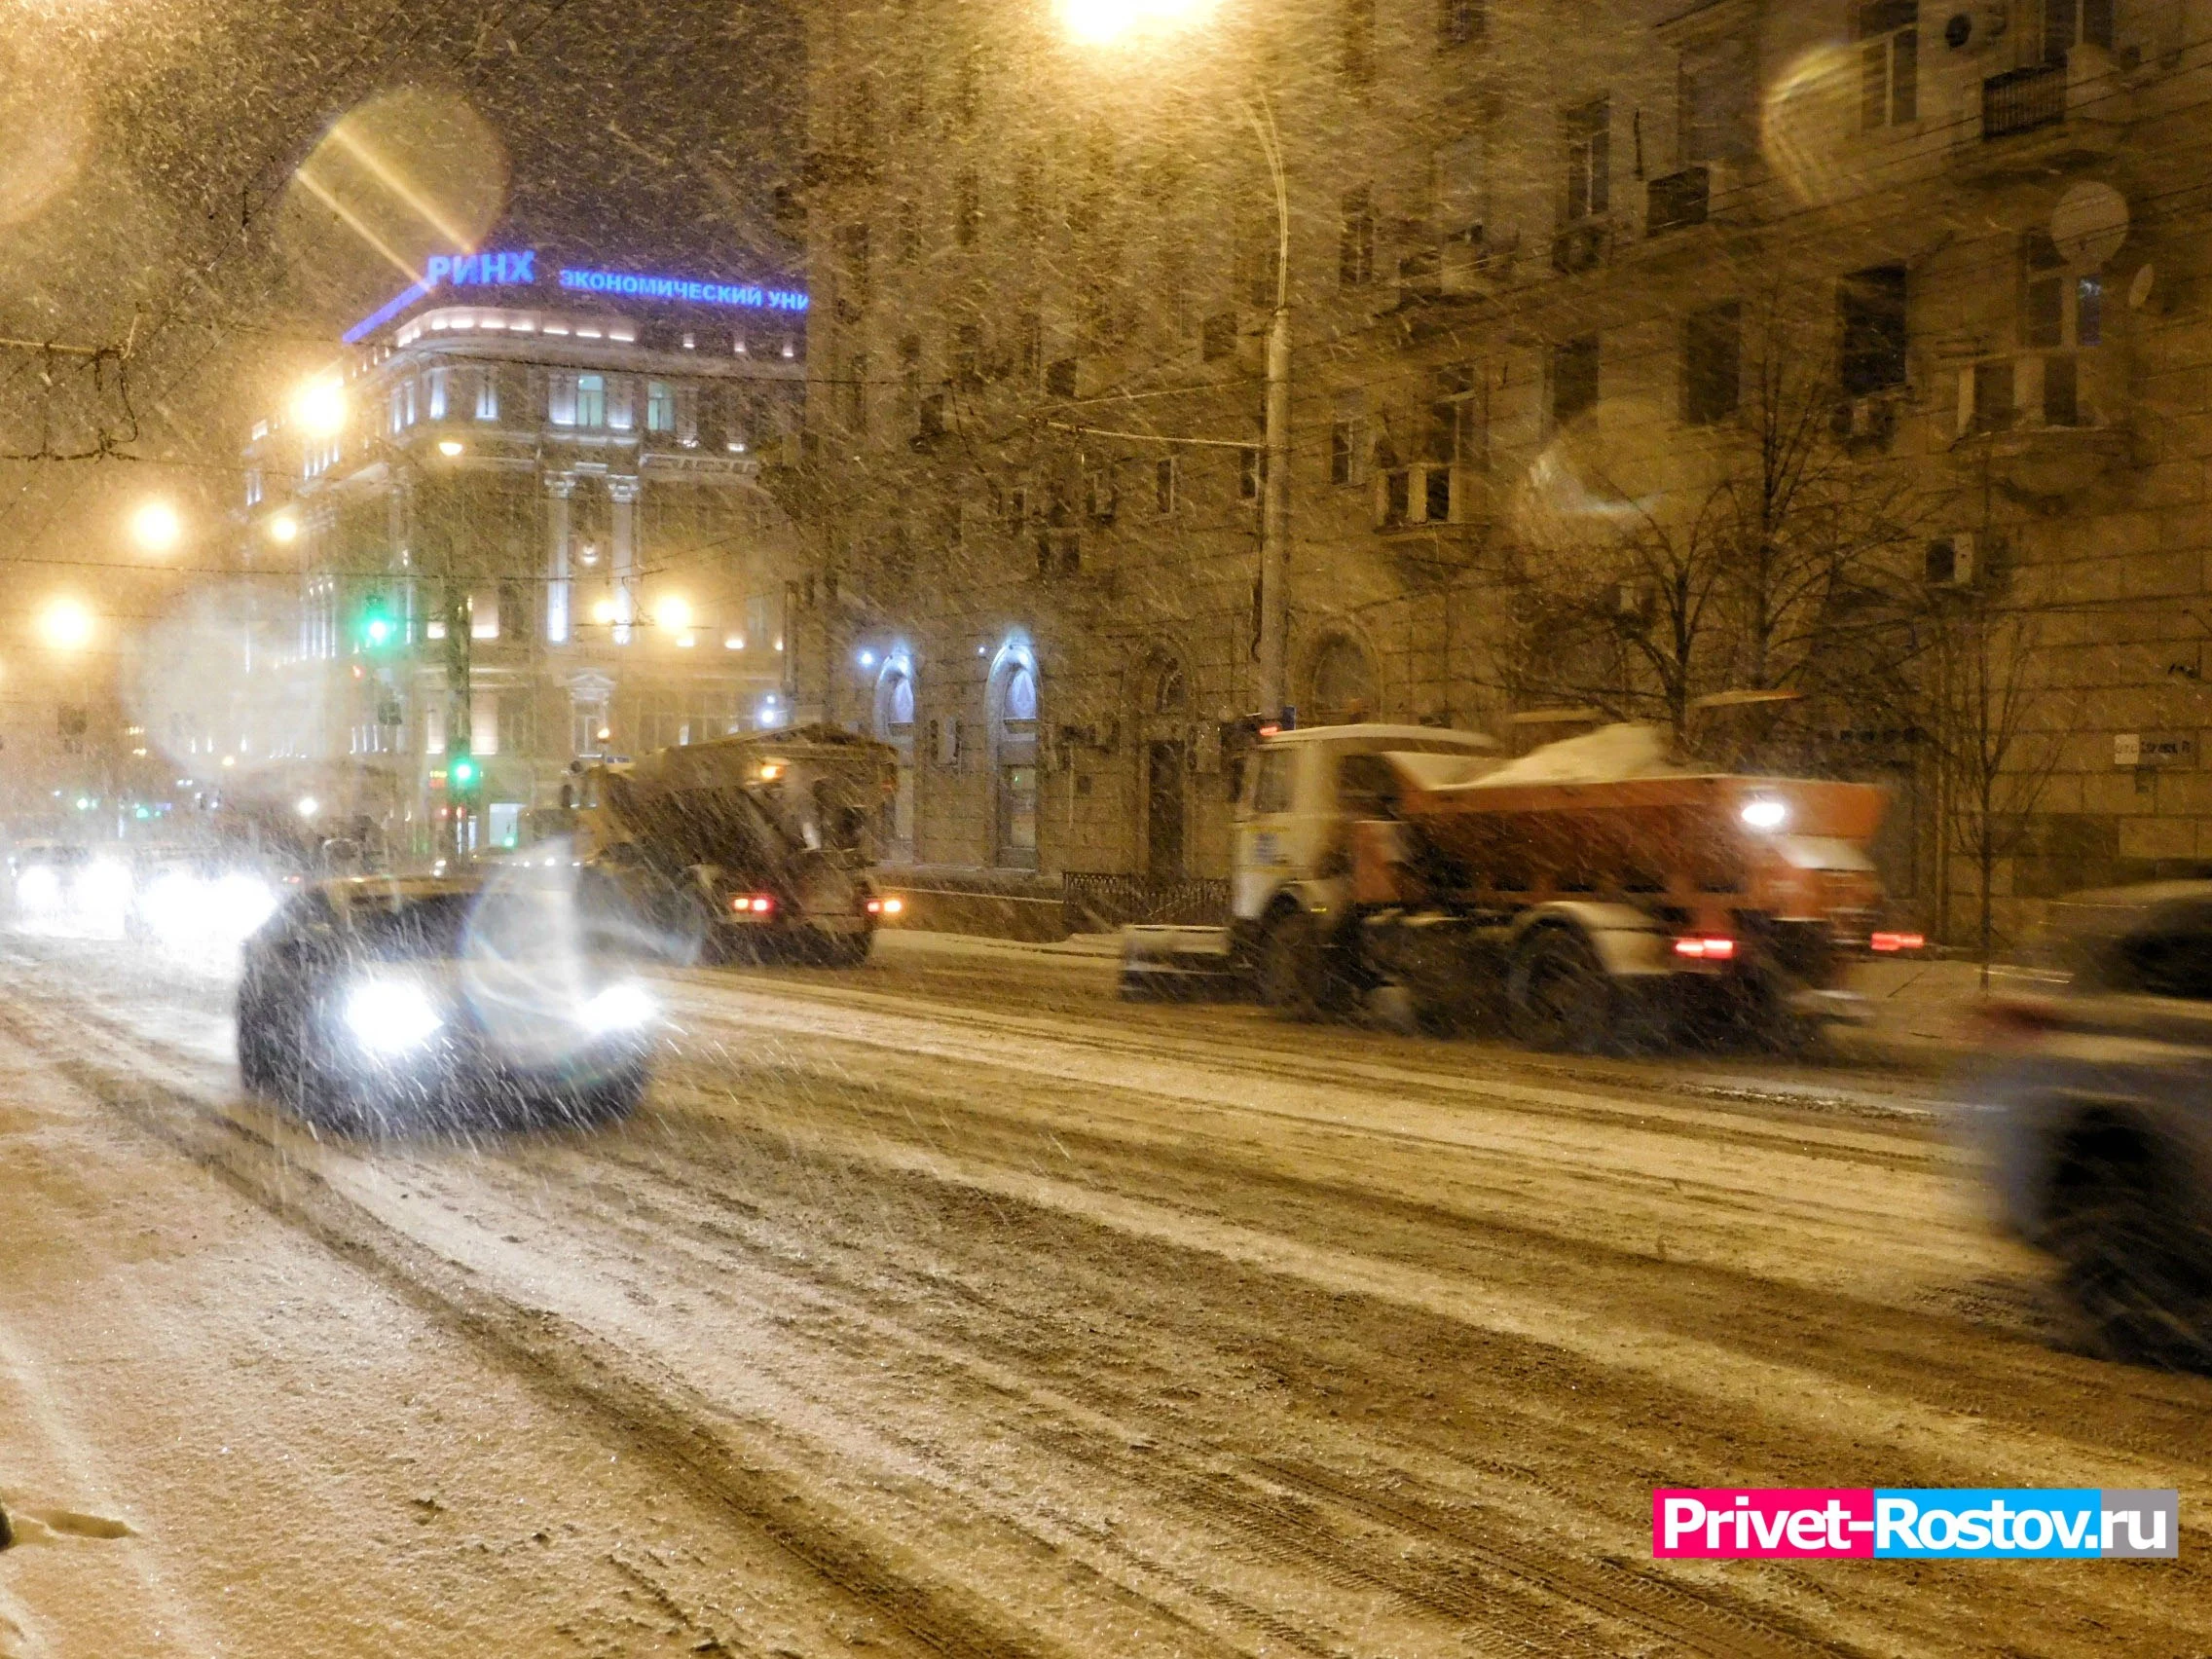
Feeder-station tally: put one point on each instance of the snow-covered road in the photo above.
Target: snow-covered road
(948, 1306)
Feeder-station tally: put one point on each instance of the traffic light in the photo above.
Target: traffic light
(462, 774)
(378, 627)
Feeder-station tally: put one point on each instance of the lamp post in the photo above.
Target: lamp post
(1097, 22)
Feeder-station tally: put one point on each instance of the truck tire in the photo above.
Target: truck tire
(1298, 977)
(1557, 997)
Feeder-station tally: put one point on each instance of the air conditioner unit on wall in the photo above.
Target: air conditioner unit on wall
(1952, 559)
(1973, 29)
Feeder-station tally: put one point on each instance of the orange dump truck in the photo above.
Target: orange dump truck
(1600, 888)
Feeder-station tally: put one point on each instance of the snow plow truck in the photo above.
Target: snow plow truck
(1598, 892)
(751, 846)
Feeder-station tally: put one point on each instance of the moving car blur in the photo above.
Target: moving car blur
(486, 999)
(2094, 1107)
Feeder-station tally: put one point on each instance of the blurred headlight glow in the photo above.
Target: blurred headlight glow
(620, 1007)
(102, 888)
(1765, 813)
(390, 1018)
(39, 889)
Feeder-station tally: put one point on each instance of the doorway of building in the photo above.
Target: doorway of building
(1165, 765)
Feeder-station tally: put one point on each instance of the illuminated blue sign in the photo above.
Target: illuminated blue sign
(750, 295)
(481, 270)
(517, 269)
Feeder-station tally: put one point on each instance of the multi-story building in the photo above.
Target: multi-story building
(1639, 354)
(532, 520)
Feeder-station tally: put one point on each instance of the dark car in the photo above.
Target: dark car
(488, 1000)
(2094, 1105)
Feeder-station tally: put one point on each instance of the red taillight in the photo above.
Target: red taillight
(753, 903)
(1703, 947)
(876, 906)
(1889, 941)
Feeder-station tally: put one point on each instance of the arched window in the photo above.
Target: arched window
(902, 701)
(1170, 694)
(1344, 682)
(894, 726)
(1013, 743)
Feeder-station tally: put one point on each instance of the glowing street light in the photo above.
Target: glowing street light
(65, 625)
(320, 408)
(1101, 22)
(309, 806)
(156, 527)
(450, 447)
(673, 613)
(284, 529)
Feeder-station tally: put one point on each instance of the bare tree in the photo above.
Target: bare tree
(1998, 734)
(1762, 550)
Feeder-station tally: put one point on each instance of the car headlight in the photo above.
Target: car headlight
(626, 1007)
(390, 1018)
(1765, 813)
(39, 889)
(245, 903)
(103, 886)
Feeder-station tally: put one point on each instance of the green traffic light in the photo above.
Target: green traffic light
(379, 631)
(379, 628)
(462, 772)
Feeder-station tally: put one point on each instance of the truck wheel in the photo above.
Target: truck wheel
(2133, 1261)
(1294, 969)
(1557, 997)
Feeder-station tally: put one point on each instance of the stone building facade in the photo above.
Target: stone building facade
(577, 474)
(1557, 270)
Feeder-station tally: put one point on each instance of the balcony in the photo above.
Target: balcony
(1426, 495)
(2045, 118)
(2020, 100)
(2036, 421)
(1679, 201)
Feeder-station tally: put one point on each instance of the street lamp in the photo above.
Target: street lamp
(156, 527)
(1102, 22)
(319, 407)
(65, 625)
(284, 528)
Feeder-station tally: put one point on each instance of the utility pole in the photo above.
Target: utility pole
(1274, 506)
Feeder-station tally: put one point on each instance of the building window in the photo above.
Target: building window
(1358, 41)
(1574, 379)
(1456, 190)
(438, 378)
(1016, 760)
(1454, 433)
(1872, 309)
(968, 356)
(1163, 485)
(487, 396)
(253, 487)
(1347, 437)
(1459, 23)
(1718, 94)
(1028, 348)
(1889, 64)
(853, 264)
(2068, 23)
(2062, 309)
(1712, 359)
(660, 407)
(591, 400)
(967, 207)
(1589, 136)
(1059, 378)
(1217, 336)
(855, 389)
(1356, 240)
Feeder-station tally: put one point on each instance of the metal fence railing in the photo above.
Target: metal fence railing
(2021, 100)
(1097, 899)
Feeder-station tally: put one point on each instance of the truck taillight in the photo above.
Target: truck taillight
(754, 904)
(1704, 948)
(1893, 941)
(885, 907)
